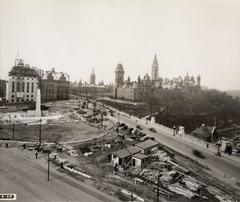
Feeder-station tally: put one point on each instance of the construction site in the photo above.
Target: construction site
(121, 160)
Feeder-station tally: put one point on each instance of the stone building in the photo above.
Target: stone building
(22, 83)
(119, 75)
(155, 69)
(92, 78)
(3, 86)
(54, 86)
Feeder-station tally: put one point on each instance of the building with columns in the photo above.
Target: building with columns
(22, 84)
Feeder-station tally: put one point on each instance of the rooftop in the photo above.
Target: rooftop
(203, 131)
(129, 151)
(140, 156)
(147, 144)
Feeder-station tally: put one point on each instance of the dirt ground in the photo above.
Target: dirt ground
(61, 132)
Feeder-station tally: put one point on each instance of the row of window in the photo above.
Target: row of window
(23, 78)
(22, 100)
(21, 87)
(26, 96)
(50, 90)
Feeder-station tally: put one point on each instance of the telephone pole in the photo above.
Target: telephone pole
(40, 132)
(158, 184)
(48, 165)
(13, 130)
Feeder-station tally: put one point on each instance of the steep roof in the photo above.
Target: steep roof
(56, 75)
(119, 68)
(129, 151)
(155, 62)
(23, 71)
(203, 131)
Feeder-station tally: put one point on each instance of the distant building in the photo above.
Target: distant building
(89, 90)
(204, 132)
(3, 86)
(22, 83)
(54, 86)
(155, 69)
(119, 75)
(92, 78)
(181, 83)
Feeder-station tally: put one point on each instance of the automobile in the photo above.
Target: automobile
(125, 127)
(139, 127)
(153, 130)
(122, 124)
(112, 114)
(104, 113)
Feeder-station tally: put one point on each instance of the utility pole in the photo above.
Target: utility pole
(158, 184)
(13, 128)
(48, 165)
(40, 133)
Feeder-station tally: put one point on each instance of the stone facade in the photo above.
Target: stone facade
(92, 78)
(55, 86)
(3, 87)
(22, 85)
(142, 88)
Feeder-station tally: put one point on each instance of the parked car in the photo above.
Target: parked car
(139, 127)
(153, 130)
(104, 113)
(122, 124)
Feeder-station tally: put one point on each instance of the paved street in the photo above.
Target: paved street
(219, 165)
(28, 179)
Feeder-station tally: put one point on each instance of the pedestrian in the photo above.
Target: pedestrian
(36, 155)
(6, 145)
(24, 146)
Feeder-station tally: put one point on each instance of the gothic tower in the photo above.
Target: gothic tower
(92, 77)
(199, 80)
(155, 68)
(119, 75)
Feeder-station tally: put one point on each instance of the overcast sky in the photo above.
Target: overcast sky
(73, 36)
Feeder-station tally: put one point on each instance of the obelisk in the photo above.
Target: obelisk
(38, 104)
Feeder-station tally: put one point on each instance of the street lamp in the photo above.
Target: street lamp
(48, 165)
(13, 126)
(40, 133)
(174, 130)
(13, 130)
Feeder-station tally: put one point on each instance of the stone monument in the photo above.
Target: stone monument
(38, 104)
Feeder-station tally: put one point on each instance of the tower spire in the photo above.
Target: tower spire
(155, 62)
(155, 68)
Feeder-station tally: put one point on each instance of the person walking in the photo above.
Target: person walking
(36, 155)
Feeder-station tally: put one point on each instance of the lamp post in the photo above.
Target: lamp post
(40, 133)
(48, 165)
(174, 130)
(13, 130)
(158, 185)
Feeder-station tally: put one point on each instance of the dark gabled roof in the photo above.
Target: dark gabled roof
(129, 151)
(147, 144)
(203, 131)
